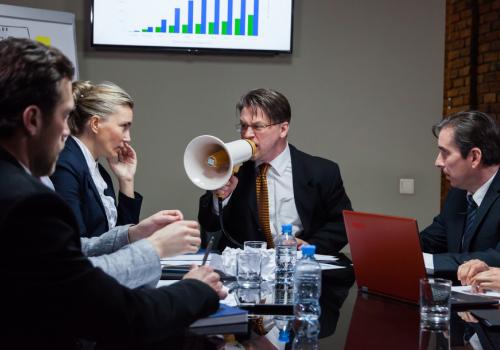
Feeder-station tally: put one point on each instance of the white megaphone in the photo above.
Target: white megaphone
(209, 162)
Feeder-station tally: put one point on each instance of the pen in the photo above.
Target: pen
(207, 251)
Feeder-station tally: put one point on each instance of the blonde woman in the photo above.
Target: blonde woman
(100, 127)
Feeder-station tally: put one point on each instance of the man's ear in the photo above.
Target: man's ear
(284, 129)
(476, 156)
(32, 120)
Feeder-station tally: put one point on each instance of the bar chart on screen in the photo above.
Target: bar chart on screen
(210, 24)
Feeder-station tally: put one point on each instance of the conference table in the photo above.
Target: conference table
(352, 320)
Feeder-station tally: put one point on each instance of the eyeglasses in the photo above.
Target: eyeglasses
(255, 127)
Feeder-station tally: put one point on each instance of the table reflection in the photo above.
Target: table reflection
(285, 332)
(364, 322)
(380, 322)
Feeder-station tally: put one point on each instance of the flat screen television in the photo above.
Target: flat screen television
(194, 25)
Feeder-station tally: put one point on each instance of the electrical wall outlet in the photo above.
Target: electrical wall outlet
(407, 186)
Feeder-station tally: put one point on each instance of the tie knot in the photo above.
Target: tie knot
(470, 202)
(263, 168)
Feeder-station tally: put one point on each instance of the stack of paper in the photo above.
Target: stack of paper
(467, 290)
(185, 259)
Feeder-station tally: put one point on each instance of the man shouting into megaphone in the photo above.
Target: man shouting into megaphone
(279, 185)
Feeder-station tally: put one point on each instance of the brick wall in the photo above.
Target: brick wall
(472, 59)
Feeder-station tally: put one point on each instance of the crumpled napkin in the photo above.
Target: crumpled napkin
(226, 262)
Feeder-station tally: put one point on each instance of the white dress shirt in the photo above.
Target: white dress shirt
(100, 184)
(282, 208)
(478, 196)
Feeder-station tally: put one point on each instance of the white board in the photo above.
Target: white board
(53, 28)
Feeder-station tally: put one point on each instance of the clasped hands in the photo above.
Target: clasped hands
(479, 276)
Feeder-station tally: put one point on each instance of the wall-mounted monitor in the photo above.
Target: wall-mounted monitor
(194, 25)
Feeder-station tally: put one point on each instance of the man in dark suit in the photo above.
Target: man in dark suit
(303, 190)
(52, 295)
(468, 226)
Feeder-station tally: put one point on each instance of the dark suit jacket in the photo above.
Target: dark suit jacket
(72, 180)
(488, 336)
(51, 293)
(444, 235)
(319, 197)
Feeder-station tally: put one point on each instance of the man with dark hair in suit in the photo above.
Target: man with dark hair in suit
(52, 295)
(468, 226)
(300, 189)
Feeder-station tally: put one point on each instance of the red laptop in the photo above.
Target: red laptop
(388, 259)
(386, 254)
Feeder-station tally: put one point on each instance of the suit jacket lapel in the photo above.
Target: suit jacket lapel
(457, 226)
(89, 182)
(490, 198)
(302, 186)
(87, 177)
(246, 190)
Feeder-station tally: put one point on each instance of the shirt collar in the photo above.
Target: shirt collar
(91, 162)
(281, 162)
(43, 179)
(24, 167)
(478, 196)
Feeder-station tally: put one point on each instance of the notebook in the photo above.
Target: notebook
(237, 328)
(176, 272)
(387, 257)
(224, 315)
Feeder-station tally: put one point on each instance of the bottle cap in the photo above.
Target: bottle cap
(284, 336)
(308, 250)
(286, 228)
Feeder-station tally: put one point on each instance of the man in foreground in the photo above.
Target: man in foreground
(52, 294)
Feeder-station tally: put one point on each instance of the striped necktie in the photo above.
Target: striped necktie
(263, 203)
(469, 221)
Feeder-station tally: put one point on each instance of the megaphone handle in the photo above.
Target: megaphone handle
(221, 223)
(236, 168)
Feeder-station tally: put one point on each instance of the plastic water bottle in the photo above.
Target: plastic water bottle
(286, 257)
(307, 286)
(306, 336)
(284, 325)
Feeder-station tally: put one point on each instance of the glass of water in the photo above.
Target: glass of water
(435, 302)
(248, 269)
(254, 246)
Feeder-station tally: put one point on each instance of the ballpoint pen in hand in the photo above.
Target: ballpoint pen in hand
(207, 251)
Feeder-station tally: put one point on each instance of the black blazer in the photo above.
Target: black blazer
(52, 294)
(72, 180)
(319, 197)
(444, 235)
